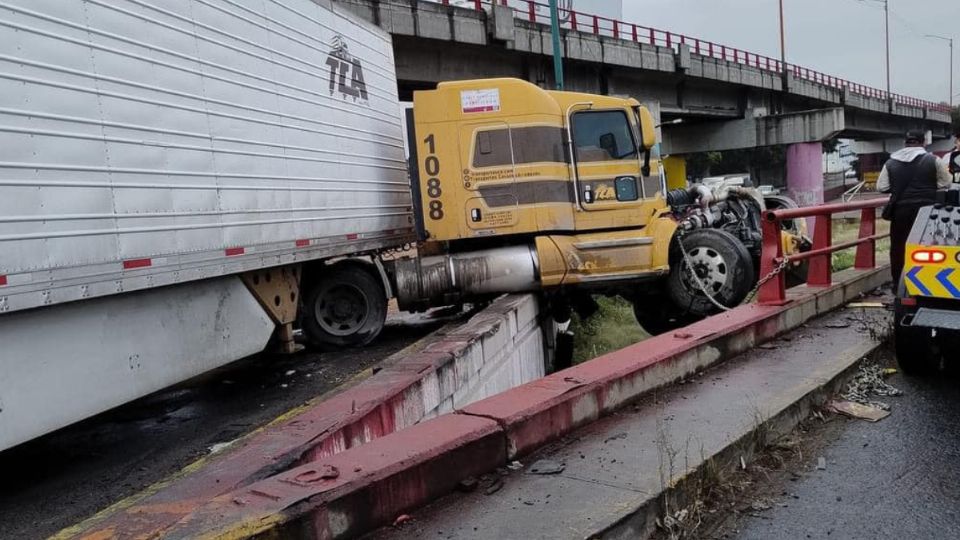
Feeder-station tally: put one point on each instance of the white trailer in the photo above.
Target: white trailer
(172, 176)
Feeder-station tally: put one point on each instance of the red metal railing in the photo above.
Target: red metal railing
(773, 292)
(539, 12)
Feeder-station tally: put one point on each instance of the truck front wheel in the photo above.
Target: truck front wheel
(345, 307)
(721, 264)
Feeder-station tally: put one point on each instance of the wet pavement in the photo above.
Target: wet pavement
(896, 479)
(63, 478)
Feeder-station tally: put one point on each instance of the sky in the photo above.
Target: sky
(844, 38)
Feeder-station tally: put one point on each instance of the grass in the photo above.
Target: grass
(611, 328)
(845, 230)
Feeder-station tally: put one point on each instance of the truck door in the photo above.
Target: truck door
(607, 161)
(488, 177)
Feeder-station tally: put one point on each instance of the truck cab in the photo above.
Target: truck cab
(503, 157)
(520, 189)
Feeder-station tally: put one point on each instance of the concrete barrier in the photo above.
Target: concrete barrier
(500, 347)
(357, 490)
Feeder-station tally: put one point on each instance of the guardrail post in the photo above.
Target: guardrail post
(818, 273)
(867, 251)
(773, 292)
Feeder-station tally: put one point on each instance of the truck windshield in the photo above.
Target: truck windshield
(603, 136)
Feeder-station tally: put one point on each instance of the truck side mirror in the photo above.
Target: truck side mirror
(648, 129)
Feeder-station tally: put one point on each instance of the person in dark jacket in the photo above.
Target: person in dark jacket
(912, 176)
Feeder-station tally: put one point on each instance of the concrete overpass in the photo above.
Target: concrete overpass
(728, 98)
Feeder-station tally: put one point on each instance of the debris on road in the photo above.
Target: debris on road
(401, 519)
(468, 485)
(615, 437)
(218, 447)
(495, 486)
(870, 413)
(873, 305)
(821, 463)
(515, 465)
(869, 381)
(546, 466)
(837, 324)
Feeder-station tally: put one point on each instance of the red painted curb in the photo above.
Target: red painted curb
(345, 493)
(543, 410)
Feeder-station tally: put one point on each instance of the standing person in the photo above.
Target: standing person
(948, 155)
(912, 176)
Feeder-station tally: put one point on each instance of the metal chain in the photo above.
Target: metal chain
(772, 274)
(870, 382)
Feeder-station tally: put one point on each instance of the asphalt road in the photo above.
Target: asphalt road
(61, 479)
(896, 479)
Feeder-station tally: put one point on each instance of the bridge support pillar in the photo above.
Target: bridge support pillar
(805, 175)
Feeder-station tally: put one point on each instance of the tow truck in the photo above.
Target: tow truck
(927, 307)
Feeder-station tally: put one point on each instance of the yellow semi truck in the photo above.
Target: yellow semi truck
(520, 189)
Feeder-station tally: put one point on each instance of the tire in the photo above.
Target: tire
(914, 347)
(723, 264)
(796, 274)
(345, 307)
(656, 316)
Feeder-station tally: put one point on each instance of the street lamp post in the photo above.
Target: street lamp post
(886, 20)
(783, 42)
(886, 12)
(557, 53)
(950, 41)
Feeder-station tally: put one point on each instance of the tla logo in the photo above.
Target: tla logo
(344, 65)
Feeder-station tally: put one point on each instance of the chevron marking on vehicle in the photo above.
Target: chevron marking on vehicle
(912, 276)
(943, 277)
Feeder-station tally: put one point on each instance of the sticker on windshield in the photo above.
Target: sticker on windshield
(479, 101)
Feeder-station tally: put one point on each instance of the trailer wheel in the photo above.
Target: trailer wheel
(722, 264)
(345, 307)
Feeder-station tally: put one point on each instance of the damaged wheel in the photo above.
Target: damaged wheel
(721, 264)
